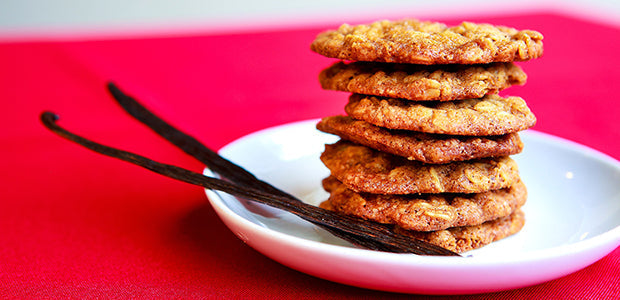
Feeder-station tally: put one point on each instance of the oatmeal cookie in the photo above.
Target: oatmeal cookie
(462, 239)
(415, 42)
(419, 82)
(363, 169)
(419, 146)
(426, 212)
(490, 115)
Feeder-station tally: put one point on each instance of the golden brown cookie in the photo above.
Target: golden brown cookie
(423, 147)
(414, 42)
(426, 212)
(419, 82)
(363, 169)
(491, 115)
(462, 239)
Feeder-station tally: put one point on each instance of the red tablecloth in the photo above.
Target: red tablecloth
(77, 224)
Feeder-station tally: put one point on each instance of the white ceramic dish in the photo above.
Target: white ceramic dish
(573, 219)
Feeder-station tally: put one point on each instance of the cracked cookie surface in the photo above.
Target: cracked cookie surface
(422, 42)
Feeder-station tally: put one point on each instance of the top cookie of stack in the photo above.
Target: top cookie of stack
(424, 122)
(415, 42)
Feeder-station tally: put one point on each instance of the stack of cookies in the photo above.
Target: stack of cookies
(426, 140)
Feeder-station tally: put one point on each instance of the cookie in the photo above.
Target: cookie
(462, 239)
(423, 147)
(415, 42)
(426, 212)
(363, 169)
(419, 82)
(490, 115)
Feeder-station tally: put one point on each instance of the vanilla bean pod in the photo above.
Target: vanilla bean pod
(358, 231)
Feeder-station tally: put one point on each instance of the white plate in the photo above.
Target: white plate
(573, 219)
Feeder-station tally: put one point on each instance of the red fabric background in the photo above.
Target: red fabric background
(77, 224)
